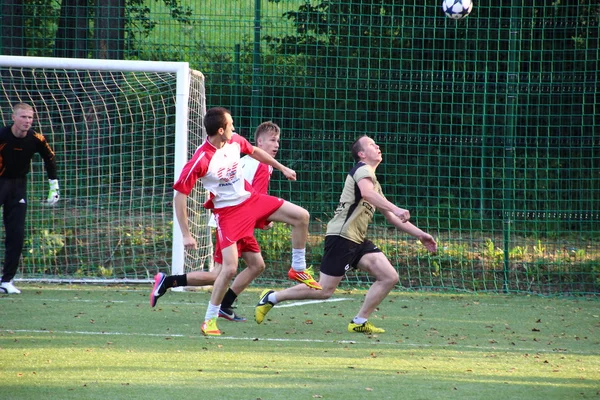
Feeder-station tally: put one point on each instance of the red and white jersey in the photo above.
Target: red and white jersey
(219, 170)
(257, 174)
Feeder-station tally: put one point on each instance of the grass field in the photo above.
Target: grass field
(93, 342)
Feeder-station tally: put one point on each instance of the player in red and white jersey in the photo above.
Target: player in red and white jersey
(220, 172)
(237, 208)
(267, 136)
(256, 173)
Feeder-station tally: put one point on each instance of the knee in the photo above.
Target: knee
(392, 279)
(325, 293)
(257, 268)
(228, 274)
(303, 217)
(228, 271)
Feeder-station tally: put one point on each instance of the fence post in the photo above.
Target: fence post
(512, 89)
(256, 69)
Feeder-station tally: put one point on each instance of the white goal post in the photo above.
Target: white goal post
(122, 132)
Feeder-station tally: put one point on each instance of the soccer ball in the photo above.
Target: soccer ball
(457, 9)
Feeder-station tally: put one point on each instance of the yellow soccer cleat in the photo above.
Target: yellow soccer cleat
(263, 306)
(366, 327)
(304, 277)
(210, 328)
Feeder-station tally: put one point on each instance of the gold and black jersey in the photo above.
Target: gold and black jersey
(16, 154)
(354, 214)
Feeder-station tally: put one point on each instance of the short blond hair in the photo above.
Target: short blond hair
(22, 106)
(267, 127)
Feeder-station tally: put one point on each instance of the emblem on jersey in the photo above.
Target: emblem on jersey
(347, 267)
(227, 174)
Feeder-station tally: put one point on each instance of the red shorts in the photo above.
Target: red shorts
(244, 245)
(237, 222)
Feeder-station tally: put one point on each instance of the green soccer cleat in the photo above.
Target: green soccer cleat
(263, 306)
(366, 327)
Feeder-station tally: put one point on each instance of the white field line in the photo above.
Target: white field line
(255, 339)
(472, 298)
(70, 300)
(166, 302)
(294, 304)
(302, 303)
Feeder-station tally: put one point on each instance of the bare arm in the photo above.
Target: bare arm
(180, 204)
(264, 157)
(425, 238)
(395, 215)
(367, 191)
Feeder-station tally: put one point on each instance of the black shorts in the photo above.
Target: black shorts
(341, 254)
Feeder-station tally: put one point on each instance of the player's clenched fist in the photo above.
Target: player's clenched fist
(403, 214)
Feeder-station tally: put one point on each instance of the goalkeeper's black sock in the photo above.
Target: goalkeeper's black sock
(175, 280)
(229, 298)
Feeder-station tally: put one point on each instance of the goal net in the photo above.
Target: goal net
(122, 131)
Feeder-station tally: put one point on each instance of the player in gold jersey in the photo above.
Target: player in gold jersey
(346, 246)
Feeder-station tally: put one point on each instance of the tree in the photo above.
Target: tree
(447, 90)
(73, 30)
(107, 29)
(13, 28)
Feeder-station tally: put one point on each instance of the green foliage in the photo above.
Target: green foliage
(141, 23)
(539, 249)
(518, 253)
(595, 271)
(42, 249)
(493, 254)
(105, 272)
(276, 242)
(42, 20)
(40, 26)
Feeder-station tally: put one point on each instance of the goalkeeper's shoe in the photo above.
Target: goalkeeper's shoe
(210, 328)
(263, 306)
(230, 315)
(158, 289)
(8, 288)
(365, 327)
(304, 277)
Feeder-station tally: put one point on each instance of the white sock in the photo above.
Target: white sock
(299, 259)
(359, 321)
(212, 311)
(272, 298)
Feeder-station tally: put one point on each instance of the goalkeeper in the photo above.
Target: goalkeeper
(258, 174)
(18, 144)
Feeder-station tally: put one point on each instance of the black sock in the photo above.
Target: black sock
(229, 298)
(175, 280)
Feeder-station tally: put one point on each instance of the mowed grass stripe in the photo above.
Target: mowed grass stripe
(370, 342)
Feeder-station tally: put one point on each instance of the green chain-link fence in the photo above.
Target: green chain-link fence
(489, 125)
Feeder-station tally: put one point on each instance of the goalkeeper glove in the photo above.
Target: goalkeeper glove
(53, 194)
